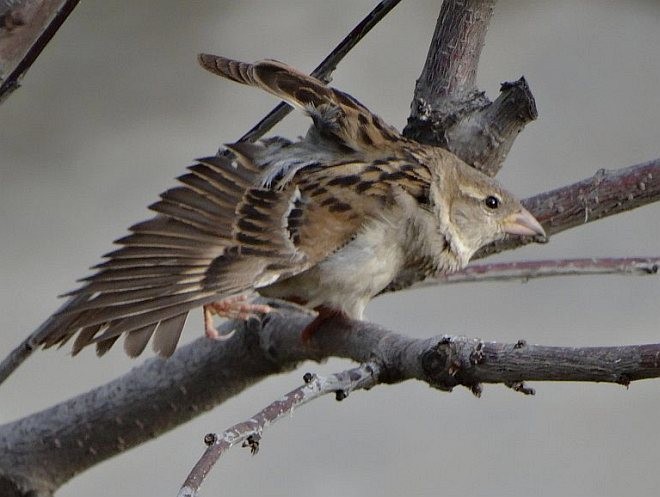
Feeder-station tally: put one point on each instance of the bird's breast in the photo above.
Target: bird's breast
(350, 277)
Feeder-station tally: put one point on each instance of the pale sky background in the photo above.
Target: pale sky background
(116, 107)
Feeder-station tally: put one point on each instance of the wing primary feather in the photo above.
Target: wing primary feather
(132, 323)
(105, 345)
(167, 335)
(122, 285)
(141, 308)
(84, 338)
(144, 272)
(144, 261)
(136, 341)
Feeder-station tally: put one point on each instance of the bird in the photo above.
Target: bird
(327, 221)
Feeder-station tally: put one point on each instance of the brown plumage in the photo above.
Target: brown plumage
(328, 221)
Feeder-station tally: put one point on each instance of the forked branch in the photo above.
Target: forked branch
(442, 362)
(248, 433)
(161, 394)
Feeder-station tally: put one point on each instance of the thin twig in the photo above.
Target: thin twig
(527, 270)
(249, 432)
(325, 68)
(22, 47)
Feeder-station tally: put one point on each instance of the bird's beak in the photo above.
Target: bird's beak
(523, 223)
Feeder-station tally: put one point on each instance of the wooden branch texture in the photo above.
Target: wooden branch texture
(528, 270)
(161, 394)
(604, 194)
(248, 433)
(448, 110)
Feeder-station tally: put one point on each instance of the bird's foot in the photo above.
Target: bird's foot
(324, 314)
(236, 307)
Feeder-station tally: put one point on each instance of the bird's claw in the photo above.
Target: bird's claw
(236, 307)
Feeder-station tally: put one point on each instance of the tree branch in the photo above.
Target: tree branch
(26, 27)
(248, 433)
(528, 270)
(606, 193)
(448, 110)
(45, 449)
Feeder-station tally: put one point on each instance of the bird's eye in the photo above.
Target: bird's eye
(492, 202)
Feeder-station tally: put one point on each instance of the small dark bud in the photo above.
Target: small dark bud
(520, 344)
(624, 380)
(253, 442)
(308, 377)
(210, 438)
(341, 395)
(519, 386)
(477, 354)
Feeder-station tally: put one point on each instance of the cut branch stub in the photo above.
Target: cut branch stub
(449, 362)
(448, 110)
(483, 139)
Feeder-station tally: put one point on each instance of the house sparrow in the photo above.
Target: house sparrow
(328, 222)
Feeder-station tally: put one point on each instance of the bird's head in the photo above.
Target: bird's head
(474, 210)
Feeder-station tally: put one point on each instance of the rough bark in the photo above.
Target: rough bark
(44, 450)
(448, 110)
(606, 193)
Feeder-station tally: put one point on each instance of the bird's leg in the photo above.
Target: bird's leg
(324, 314)
(236, 307)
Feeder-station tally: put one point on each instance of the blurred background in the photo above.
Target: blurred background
(116, 107)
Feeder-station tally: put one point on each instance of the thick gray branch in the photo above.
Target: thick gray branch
(451, 64)
(44, 450)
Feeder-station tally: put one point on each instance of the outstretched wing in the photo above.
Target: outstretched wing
(337, 116)
(215, 235)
